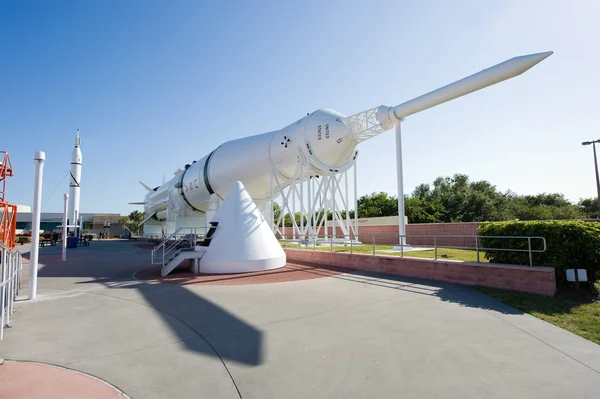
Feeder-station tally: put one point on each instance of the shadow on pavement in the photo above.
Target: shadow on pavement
(228, 337)
(447, 292)
(225, 335)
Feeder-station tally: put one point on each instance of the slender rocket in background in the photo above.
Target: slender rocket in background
(74, 185)
(326, 140)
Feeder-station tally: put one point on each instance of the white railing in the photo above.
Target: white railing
(371, 244)
(11, 266)
(182, 237)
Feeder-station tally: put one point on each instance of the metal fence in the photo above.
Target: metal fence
(530, 244)
(11, 263)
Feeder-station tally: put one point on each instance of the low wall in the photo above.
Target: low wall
(538, 280)
(388, 234)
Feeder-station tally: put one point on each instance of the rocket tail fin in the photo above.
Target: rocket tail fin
(145, 220)
(146, 187)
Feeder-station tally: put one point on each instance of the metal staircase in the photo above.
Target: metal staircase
(180, 246)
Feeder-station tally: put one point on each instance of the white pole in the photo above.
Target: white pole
(293, 188)
(302, 232)
(400, 181)
(64, 230)
(38, 162)
(310, 212)
(355, 205)
(348, 222)
(333, 207)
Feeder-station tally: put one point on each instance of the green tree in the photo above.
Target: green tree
(377, 204)
(589, 207)
(132, 222)
(136, 216)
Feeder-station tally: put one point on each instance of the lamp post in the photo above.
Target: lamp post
(593, 143)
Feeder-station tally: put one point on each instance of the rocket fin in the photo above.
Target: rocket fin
(146, 187)
(145, 220)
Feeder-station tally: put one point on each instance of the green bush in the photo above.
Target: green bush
(23, 240)
(569, 244)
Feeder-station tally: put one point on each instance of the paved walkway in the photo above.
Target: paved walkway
(344, 336)
(43, 381)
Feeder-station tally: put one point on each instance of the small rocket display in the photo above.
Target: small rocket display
(74, 184)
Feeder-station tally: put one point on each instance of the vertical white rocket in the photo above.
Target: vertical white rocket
(74, 185)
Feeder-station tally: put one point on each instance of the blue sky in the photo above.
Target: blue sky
(153, 85)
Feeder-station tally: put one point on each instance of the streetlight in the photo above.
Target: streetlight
(593, 143)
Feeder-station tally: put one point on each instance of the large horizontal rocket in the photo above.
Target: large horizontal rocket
(326, 138)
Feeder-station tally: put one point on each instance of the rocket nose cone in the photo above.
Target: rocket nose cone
(528, 61)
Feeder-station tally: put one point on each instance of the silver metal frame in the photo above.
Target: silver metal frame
(168, 248)
(11, 267)
(321, 240)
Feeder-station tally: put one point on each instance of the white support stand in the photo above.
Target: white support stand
(314, 197)
(400, 183)
(38, 161)
(65, 228)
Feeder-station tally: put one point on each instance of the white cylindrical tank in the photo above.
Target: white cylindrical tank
(74, 183)
(321, 136)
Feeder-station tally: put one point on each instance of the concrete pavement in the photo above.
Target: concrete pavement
(346, 336)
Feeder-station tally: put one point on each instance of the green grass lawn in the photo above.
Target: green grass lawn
(443, 253)
(579, 314)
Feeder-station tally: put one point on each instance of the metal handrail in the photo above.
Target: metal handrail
(351, 241)
(170, 244)
(169, 237)
(11, 266)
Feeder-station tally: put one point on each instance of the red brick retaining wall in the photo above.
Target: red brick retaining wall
(539, 280)
(366, 233)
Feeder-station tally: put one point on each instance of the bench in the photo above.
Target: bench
(83, 242)
(47, 243)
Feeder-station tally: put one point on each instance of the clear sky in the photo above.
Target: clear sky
(153, 85)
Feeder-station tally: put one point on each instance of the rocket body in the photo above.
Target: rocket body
(324, 141)
(323, 138)
(74, 184)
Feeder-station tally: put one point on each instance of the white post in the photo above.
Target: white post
(333, 207)
(400, 181)
(302, 232)
(325, 181)
(293, 188)
(348, 222)
(38, 162)
(355, 205)
(310, 212)
(65, 229)
(271, 212)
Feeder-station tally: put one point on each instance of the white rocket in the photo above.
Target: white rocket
(327, 139)
(74, 184)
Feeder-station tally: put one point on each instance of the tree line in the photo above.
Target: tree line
(457, 199)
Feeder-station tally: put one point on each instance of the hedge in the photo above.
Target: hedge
(569, 244)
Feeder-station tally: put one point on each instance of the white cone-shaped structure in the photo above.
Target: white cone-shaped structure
(243, 241)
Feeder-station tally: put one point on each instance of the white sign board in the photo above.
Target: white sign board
(581, 274)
